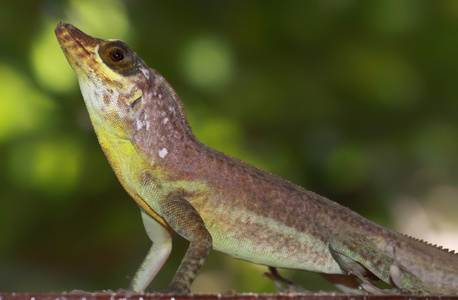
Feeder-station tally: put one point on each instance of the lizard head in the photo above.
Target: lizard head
(111, 77)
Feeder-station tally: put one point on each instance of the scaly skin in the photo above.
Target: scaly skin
(219, 202)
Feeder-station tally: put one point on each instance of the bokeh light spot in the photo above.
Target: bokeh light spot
(50, 166)
(23, 108)
(112, 23)
(207, 62)
(48, 62)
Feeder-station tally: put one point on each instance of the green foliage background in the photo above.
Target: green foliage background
(355, 100)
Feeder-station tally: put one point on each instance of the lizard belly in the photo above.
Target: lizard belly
(264, 241)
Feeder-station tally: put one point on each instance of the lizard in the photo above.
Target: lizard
(219, 202)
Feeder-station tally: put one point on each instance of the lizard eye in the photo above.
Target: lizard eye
(118, 56)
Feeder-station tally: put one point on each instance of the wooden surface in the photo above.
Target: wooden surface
(130, 296)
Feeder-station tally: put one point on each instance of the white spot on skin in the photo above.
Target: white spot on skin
(139, 124)
(165, 121)
(147, 125)
(145, 72)
(163, 153)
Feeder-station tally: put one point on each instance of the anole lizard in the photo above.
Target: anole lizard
(219, 202)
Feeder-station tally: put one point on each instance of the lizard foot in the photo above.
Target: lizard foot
(360, 257)
(283, 285)
(406, 282)
(367, 286)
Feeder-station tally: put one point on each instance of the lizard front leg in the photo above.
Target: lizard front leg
(186, 221)
(157, 255)
(359, 256)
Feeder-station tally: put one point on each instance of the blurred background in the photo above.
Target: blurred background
(355, 100)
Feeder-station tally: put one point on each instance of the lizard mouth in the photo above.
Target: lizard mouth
(79, 48)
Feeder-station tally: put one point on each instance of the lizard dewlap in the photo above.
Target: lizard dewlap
(219, 202)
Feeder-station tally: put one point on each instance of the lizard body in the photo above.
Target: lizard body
(219, 202)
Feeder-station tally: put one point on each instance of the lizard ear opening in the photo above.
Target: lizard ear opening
(136, 103)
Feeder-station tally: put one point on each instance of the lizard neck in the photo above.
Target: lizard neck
(159, 128)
